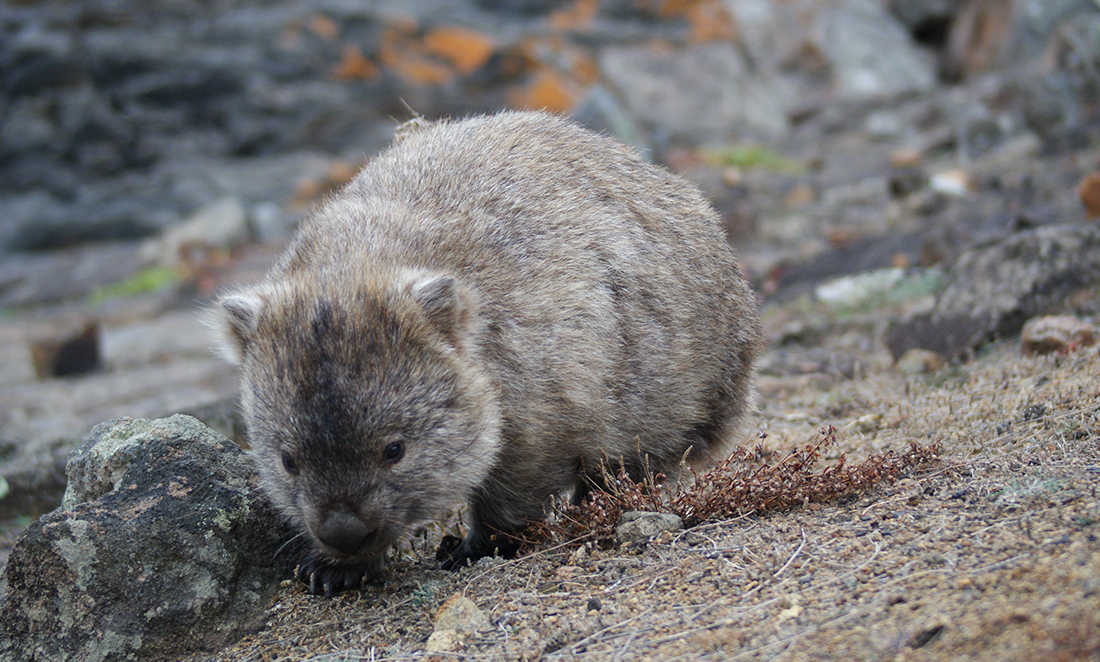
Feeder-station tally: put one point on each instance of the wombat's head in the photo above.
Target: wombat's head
(364, 404)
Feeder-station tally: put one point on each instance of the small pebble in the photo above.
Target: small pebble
(951, 182)
(637, 526)
(443, 641)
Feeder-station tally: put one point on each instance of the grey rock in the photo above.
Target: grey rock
(772, 31)
(27, 127)
(994, 288)
(38, 278)
(860, 289)
(220, 225)
(922, 14)
(164, 546)
(22, 211)
(521, 7)
(703, 92)
(155, 362)
(636, 526)
(870, 53)
(884, 125)
(40, 221)
(599, 110)
(1036, 20)
(34, 475)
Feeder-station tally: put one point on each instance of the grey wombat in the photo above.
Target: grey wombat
(489, 310)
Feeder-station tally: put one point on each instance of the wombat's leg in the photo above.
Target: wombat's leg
(454, 553)
(326, 576)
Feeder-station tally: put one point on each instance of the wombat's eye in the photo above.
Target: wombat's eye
(289, 464)
(393, 452)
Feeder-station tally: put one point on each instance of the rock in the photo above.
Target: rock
(919, 361)
(460, 614)
(869, 52)
(38, 278)
(979, 37)
(1062, 38)
(1037, 22)
(600, 111)
(636, 526)
(455, 619)
(155, 362)
(702, 92)
(951, 182)
(521, 7)
(866, 424)
(1089, 192)
(218, 226)
(443, 641)
(906, 178)
(884, 125)
(163, 546)
(928, 634)
(853, 291)
(34, 476)
(1055, 334)
(66, 353)
(921, 15)
(994, 288)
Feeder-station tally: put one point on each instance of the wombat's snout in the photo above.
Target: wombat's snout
(344, 532)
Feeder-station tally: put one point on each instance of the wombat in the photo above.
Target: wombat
(492, 308)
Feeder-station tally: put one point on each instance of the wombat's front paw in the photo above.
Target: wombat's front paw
(454, 553)
(328, 577)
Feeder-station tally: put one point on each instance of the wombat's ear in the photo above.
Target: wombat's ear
(442, 299)
(234, 321)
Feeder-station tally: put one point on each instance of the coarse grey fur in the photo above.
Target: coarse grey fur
(489, 310)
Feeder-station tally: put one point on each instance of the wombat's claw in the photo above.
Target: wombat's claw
(327, 577)
(450, 553)
(454, 553)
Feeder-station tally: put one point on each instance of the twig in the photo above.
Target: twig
(796, 552)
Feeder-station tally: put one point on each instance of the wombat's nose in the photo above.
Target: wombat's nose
(343, 532)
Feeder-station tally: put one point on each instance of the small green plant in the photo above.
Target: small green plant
(753, 156)
(1020, 490)
(424, 594)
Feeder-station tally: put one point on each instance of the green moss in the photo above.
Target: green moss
(143, 282)
(753, 156)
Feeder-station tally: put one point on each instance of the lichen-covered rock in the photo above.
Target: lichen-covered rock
(164, 545)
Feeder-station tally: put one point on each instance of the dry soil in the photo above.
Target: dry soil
(991, 554)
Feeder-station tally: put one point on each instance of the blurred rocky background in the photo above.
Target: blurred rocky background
(905, 180)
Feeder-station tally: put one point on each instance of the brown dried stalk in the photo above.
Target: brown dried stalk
(742, 483)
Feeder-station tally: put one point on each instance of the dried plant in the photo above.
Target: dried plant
(745, 482)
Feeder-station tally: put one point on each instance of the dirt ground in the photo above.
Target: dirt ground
(990, 554)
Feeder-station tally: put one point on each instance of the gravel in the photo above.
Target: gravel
(993, 554)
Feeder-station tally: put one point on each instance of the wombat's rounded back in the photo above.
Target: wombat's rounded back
(615, 316)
